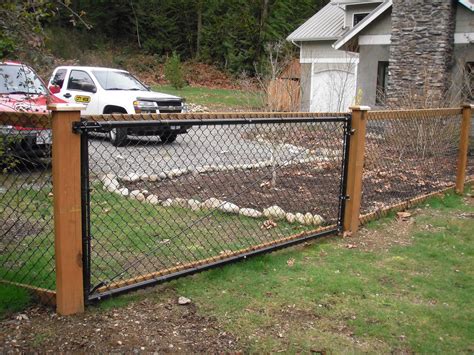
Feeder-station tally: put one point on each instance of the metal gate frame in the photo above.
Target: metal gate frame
(84, 127)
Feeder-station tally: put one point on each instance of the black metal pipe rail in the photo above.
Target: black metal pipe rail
(104, 125)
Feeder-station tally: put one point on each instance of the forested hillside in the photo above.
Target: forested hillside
(231, 34)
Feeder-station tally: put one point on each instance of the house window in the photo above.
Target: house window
(356, 18)
(382, 80)
(469, 81)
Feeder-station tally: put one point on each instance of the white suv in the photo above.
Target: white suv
(106, 91)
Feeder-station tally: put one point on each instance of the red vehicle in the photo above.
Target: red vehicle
(22, 90)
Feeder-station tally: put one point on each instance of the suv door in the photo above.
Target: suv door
(81, 89)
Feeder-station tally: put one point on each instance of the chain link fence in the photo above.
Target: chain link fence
(224, 188)
(163, 197)
(26, 212)
(408, 155)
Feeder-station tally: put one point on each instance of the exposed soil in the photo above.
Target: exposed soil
(299, 188)
(143, 326)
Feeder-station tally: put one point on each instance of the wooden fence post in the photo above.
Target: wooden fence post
(66, 166)
(463, 147)
(355, 168)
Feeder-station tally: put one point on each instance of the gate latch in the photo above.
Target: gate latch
(344, 197)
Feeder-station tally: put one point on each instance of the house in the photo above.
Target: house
(402, 53)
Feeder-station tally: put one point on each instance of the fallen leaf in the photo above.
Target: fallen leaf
(351, 246)
(268, 224)
(347, 234)
(290, 262)
(403, 215)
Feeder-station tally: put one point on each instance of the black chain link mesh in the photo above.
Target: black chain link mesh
(26, 209)
(407, 157)
(160, 207)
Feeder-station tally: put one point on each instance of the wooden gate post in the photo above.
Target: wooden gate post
(463, 147)
(355, 168)
(66, 166)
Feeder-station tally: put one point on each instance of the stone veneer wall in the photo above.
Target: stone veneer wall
(421, 52)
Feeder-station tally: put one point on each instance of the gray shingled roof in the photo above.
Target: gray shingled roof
(326, 24)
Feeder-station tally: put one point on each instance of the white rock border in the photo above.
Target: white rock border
(111, 184)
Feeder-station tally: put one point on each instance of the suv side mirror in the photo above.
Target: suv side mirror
(89, 88)
(54, 89)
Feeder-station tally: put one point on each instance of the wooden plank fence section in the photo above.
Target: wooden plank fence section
(411, 114)
(25, 119)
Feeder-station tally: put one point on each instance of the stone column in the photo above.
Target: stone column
(421, 53)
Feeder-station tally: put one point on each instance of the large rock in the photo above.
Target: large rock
(131, 177)
(250, 212)
(153, 199)
(194, 205)
(180, 202)
(123, 191)
(299, 218)
(137, 195)
(211, 203)
(290, 217)
(274, 212)
(229, 207)
(308, 219)
(167, 203)
(317, 220)
(153, 177)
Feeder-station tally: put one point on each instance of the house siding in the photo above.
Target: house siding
(305, 87)
(383, 25)
(319, 50)
(367, 72)
(464, 20)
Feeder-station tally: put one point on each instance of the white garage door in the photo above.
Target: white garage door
(333, 90)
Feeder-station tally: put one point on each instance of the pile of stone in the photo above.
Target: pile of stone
(111, 184)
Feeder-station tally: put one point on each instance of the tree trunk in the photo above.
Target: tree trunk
(199, 29)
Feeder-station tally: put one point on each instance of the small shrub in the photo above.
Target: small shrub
(174, 71)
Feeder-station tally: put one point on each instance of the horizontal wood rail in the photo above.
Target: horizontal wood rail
(44, 296)
(410, 114)
(207, 116)
(25, 119)
(368, 217)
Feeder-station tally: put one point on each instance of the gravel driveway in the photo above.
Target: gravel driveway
(201, 146)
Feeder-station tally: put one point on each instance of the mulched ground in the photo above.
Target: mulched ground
(144, 326)
(299, 188)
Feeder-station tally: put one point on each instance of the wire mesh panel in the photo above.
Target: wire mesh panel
(26, 211)
(408, 154)
(216, 191)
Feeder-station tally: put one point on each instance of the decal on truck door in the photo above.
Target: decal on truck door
(82, 99)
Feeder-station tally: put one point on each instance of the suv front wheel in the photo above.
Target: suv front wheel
(118, 137)
(168, 137)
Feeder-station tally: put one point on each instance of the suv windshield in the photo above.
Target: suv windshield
(118, 80)
(19, 79)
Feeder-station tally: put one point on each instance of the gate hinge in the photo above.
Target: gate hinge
(344, 197)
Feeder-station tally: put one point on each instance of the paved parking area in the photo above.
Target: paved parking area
(201, 146)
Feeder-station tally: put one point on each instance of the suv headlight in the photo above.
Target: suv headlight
(140, 106)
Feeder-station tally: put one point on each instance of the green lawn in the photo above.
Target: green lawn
(129, 238)
(216, 99)
(407, 298)
(353, 294)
